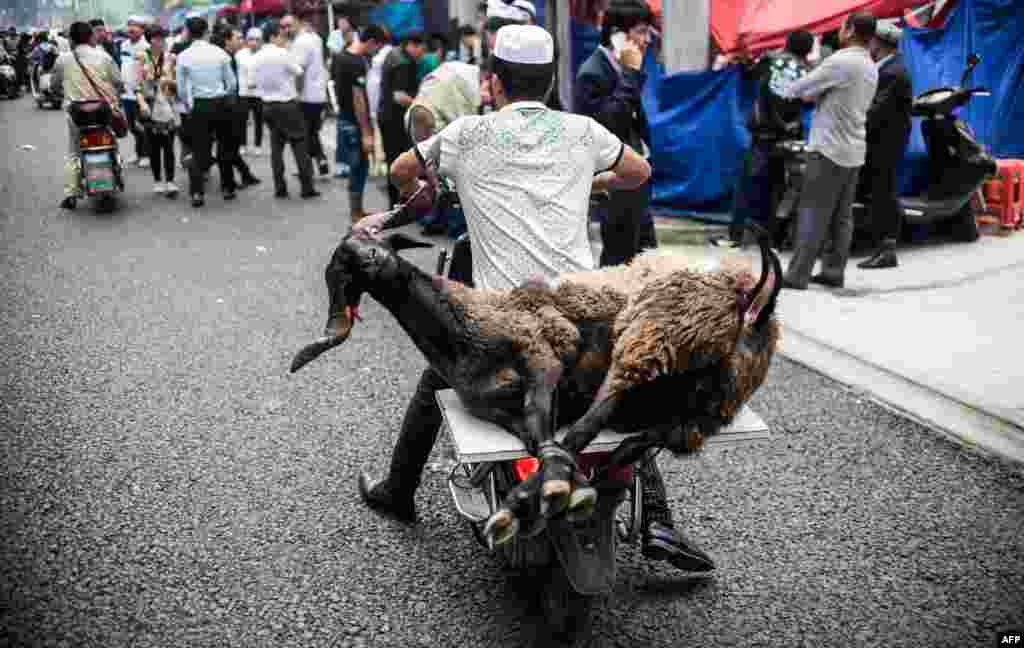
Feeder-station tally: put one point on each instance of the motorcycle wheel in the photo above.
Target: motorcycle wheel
(566, 611)
(106, 203)
(964, 226)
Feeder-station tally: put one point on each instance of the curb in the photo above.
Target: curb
(967, 424)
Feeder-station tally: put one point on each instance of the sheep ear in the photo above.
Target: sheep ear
(399, 242)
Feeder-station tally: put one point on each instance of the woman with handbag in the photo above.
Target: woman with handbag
(159, 118)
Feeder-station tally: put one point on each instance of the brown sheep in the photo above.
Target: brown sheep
(657, 345)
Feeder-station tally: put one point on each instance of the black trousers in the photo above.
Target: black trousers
(131, 112)
(287, 126)
(161, 155)
(627, 227)
(210, 118)
(877, 190)
(313, 114)
(396, 141)
(254, 105)
(231, 146)
(184, 133)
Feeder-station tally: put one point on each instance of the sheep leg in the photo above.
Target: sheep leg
(538, 427)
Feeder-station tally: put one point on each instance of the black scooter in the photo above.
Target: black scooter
(957, 167)
(957, 163)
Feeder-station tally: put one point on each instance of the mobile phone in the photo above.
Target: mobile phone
(618, 41)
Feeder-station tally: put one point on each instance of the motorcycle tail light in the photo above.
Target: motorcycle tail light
(95, 139)
(525, 467)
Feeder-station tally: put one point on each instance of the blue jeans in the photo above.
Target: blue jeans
(350, 152)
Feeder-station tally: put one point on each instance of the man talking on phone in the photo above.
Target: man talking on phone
(608, 88)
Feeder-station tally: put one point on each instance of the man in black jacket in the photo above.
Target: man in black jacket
(773, 118)
(608, 88)
(888, 133)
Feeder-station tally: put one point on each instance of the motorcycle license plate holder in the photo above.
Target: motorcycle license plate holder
(98, 172)
(478, 441)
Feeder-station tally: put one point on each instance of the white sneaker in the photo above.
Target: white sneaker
(243, 151)
(255, 151)
(159, 188)
(144, 163)
(131, 158)
(170, 188)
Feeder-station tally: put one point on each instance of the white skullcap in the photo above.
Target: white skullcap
(254, 34)
(527, 44)
(506, 10)
(136, 20)
(888, 32)
(526, 6)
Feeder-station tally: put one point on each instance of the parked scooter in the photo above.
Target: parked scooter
(9, 87)
(40, 77)
(957, 167)
(957, 163)
(101, 175)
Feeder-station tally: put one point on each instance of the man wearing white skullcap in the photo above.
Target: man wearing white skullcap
(129, 74)
(524, 175)
(247, 88)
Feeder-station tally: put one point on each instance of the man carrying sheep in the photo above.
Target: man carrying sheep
(524, 175)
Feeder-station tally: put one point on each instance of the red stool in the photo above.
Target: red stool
(1005, 193)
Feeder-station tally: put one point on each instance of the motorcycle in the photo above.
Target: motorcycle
(572, 560)
(43, 90)
(957, 163)
(101, 174)
(957, 167)
(9, 86)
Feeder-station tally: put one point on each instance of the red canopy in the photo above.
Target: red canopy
(758, 25)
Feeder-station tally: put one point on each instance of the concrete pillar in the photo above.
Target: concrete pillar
(687, 35)
(463, 10)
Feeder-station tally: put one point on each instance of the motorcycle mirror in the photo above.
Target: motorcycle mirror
(972, 61)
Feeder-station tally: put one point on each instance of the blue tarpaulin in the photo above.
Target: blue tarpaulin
(401, 17)
(937, 57)
(698, 132)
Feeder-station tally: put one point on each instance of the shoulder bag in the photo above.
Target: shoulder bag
(118, 121)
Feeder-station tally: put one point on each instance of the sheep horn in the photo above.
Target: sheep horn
(763, 242)
(337, 331)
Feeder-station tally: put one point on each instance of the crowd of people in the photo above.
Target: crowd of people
(862, 97)
(529, 176)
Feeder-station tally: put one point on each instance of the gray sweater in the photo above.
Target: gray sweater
(843, 87)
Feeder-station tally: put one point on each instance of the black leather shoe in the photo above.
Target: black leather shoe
(248, 182)
(827, 281)
(881, 259)
(381, 498)
(69, 203)
(230, 194)
(310, 194)
(198, 200)
(281, 193)
(786, 283)
(666, 543)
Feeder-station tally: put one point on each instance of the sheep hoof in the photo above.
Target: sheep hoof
(501, 527)
(581, 504)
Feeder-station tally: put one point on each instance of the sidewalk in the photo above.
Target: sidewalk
(938, 338)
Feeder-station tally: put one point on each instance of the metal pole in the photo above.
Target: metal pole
(687, 34)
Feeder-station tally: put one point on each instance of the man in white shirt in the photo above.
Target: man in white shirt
(524, 175)
(308, 49)
(274, 73)
(247, 88)
(205, 82)
(129, 74)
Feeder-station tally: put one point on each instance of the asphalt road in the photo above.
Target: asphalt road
(166, 482)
